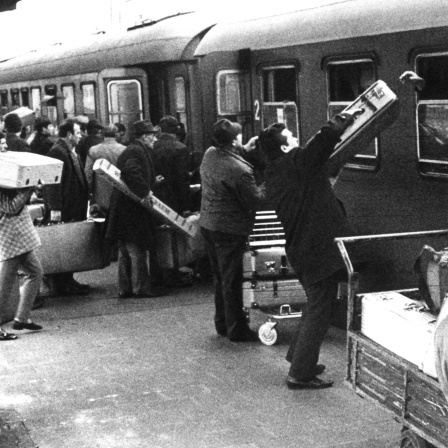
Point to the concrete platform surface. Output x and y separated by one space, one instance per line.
152 373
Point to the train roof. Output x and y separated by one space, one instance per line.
332 20
167 40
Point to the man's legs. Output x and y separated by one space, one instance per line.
124 270
139 257
305 346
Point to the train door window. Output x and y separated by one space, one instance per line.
35 100
15 98
346 81
280 99
125 101
88 99
25 92
181 101
432 115
233 98
4 98
49 103
68 93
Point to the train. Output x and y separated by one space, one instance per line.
299 67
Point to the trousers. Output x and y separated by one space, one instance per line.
225 252
304 348
133 258
29 265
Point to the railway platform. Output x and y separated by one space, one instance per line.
143 373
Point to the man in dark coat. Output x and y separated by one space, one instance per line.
130 223
67 201
230 197
13 126
42 141
298 185
94 137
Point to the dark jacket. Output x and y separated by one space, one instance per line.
128 220
85 144
297 184
170 158
41 144
15 143
72 194
230 195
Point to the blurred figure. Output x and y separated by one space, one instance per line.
94 137
42 141
120 133
13 127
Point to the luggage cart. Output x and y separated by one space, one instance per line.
414 398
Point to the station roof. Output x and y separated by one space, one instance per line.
327 21
166 40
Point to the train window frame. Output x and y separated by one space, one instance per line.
25 101
427 166
123 81
63 88
279 106
82 86
181 107
361 162
37 109
4 95
15 97
51 104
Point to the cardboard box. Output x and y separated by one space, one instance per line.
103 168
25 169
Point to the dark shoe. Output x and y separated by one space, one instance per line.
319 369
7 336
25 326
71 290
39 302
314 383
125 295
80 286
221 331
249 336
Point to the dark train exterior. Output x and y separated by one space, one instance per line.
297 67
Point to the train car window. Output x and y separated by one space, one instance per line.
181 101
15 98
88 100
35 100
68 93
4 98
125 101
280 99
49 103
25 96
432 115
346 80
233 98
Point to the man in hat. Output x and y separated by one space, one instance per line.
42 141
13 126
230 197
94 137
129 223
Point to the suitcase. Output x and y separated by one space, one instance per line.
175 249
101 191
401 325
27 115
112 174
270 262
380 109
272 293
25 169
73 247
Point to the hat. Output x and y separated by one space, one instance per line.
143 127
225 131
41 123
94 125
13 123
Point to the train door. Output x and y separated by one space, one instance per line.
279 96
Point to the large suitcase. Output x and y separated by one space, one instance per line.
112 174
380 109
269 262
73 247
25 169
401 325
271 293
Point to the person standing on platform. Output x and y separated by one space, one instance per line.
18 241
128 222
67 201
13 126
94 137
42 141
297 183
230 197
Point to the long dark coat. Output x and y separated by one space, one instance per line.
128 220
312 216
17 144
72 194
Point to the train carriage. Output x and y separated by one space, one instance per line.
302 67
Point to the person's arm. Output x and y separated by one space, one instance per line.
89 169
249 193
412 79
11 205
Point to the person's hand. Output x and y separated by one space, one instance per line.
251 144
147 201
343 120
159 179
55 216
413 79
